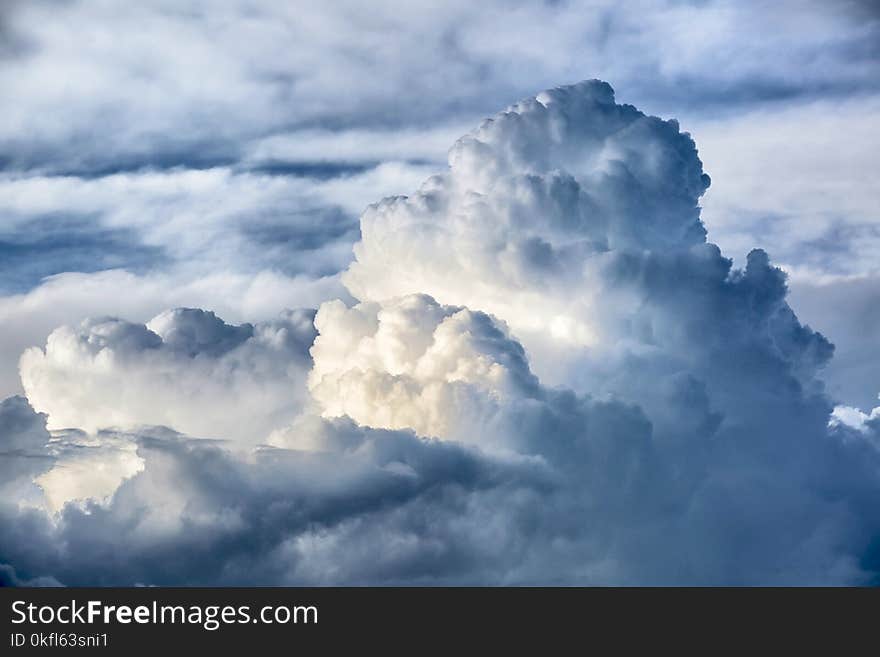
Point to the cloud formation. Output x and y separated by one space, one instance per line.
353 510
185 368
24 449
190 102
258 169
547 374
413 364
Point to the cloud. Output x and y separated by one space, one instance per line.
245 244
198 220
130 104
23 442
8 577
43 471
70 298
546 374
583 493
636 408
88 468
575 221
197 513
411 363
847 419
185 369
158 168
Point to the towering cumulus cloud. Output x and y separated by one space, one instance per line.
532 206
547 375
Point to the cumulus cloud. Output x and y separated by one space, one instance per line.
576 221
546 374
636 407
247 244
414 364
185 368
70 298
847 419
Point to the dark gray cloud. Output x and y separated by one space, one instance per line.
275 505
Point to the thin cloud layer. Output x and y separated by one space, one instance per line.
195 85
547 375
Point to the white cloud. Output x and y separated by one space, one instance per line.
245 244
413 364
184 369
154 84
543 220
354 146
68 299
216 155
867 424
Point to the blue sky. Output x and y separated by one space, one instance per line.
219 156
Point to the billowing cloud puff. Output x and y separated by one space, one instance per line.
185 369
368 506
847 419
414 364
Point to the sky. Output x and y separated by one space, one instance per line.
439 292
